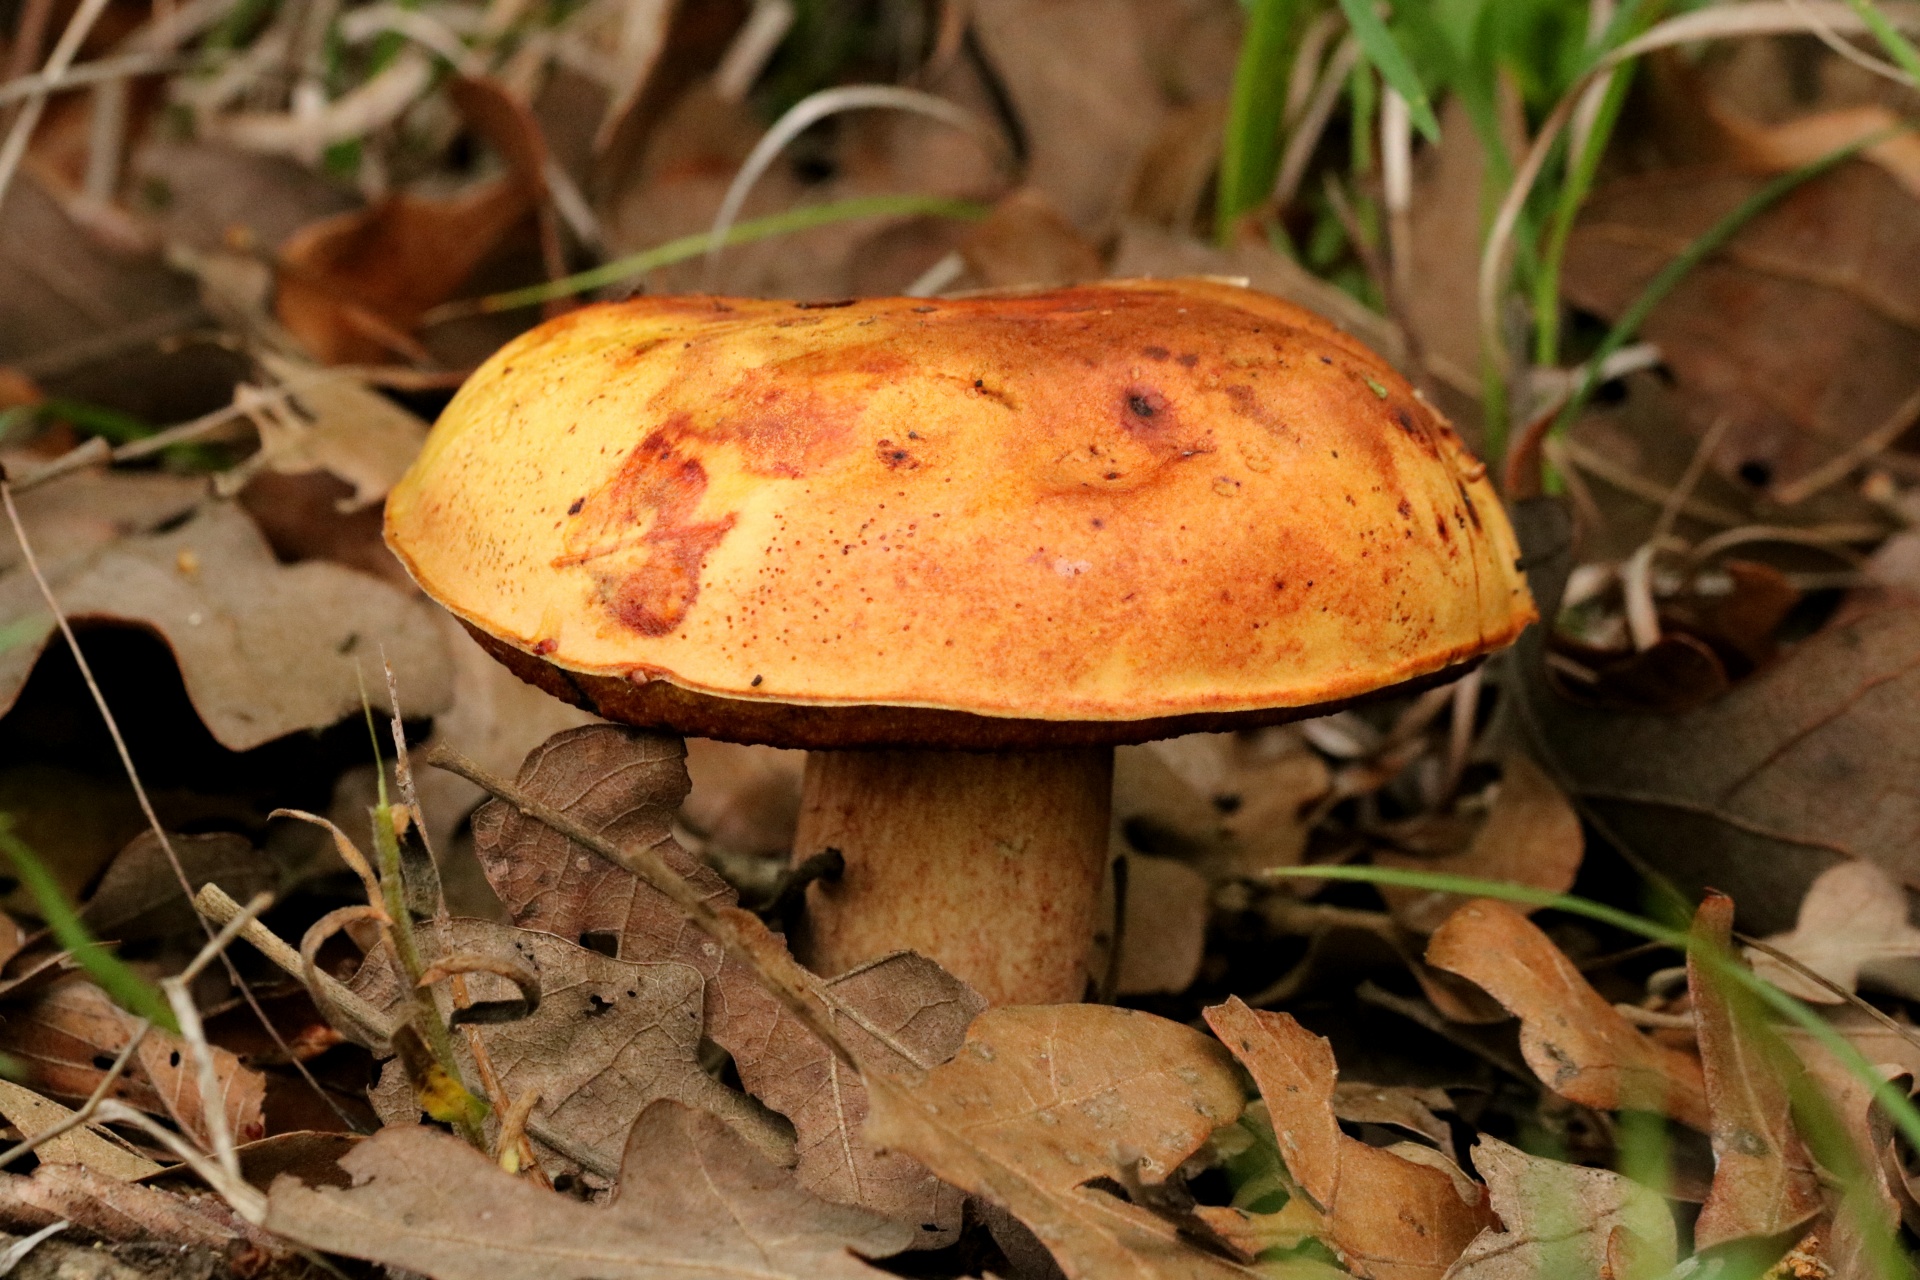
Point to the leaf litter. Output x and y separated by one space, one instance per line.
1725 700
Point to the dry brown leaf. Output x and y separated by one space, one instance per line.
627 785
71 1033
353 287
1402 1106
918 1005
338 425
694 1200
1386 1216
1043 1100
1764 1182
1235 804
139 896
265 649
608 1037
1575 1041
33 1115
1087 118
1852 929
1529 836
1805 329
1564 1221
1814 760
116 1210
1164 935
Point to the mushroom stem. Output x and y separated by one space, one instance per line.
989 863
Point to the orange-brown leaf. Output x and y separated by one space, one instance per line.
1576 1042
1763 1178
1388 1217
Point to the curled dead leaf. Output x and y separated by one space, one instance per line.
1575 1041
1387 1216
1764 1181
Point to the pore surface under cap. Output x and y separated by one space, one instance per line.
1110 504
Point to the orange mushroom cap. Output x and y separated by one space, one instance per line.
1098 514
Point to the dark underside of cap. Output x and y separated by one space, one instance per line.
661 704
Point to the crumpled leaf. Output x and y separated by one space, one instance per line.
72 1032
1802 329
627 785
1386 1216
265 649
694 1200
1764 1182
1565 1221
1530 835
1576 1042
1809 762
608 1037
33 1115
1852 930
352 287
1043 1100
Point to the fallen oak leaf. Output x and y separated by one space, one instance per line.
1043 1100
1764 1182
1565 1221
1803 765
69 1034
607 1038
262 647
626 785
1579 1045
1387 1217
116 1210
1852 928
694 1200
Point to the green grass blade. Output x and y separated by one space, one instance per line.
1898 1106
129 990
1704 246
692 246
1898 47
1385 53
1250 148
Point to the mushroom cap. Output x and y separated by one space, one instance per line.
1106 513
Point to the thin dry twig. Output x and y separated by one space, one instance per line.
15 147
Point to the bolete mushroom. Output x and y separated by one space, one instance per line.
958 549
